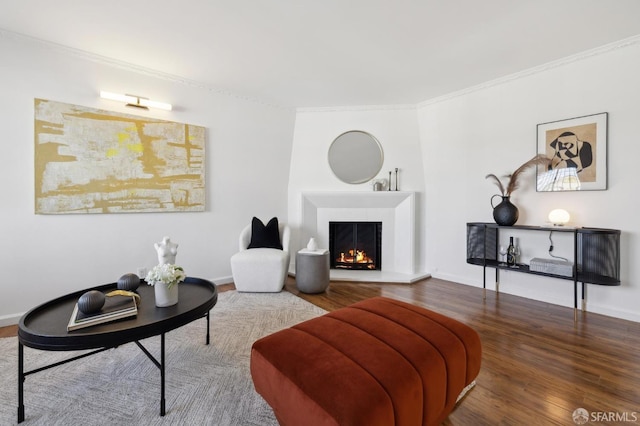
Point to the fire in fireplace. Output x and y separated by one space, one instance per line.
355 245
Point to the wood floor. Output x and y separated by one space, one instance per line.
538 366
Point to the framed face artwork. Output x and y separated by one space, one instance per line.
577 148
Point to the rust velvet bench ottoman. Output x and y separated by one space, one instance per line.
376 362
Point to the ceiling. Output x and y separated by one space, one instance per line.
315 53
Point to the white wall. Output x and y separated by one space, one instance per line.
493 130
396 129
248 154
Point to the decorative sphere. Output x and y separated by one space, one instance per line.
91 302
559 217
128 282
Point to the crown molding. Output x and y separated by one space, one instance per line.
399 107
127 66
620 44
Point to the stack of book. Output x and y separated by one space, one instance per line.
115 308
552 266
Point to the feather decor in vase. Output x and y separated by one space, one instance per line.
512 185
505 213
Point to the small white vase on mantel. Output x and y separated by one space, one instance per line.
165 296
312 244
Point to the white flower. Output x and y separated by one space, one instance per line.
167 274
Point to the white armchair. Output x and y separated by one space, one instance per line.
261 269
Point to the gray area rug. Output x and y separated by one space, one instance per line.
205 385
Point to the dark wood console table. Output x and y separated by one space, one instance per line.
45 327
596 255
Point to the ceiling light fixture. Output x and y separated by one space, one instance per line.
135 101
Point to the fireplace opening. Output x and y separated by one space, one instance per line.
355 245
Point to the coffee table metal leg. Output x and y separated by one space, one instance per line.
162 404
208 313
20 382
161 367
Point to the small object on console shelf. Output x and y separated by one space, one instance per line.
511 254
551 266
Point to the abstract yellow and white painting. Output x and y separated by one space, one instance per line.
94 161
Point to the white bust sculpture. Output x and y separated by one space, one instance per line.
167 251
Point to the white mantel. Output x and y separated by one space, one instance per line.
396 211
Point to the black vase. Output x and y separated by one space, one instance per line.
505 213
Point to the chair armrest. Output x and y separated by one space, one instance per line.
245 238
285 237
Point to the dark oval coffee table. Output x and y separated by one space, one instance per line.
45 327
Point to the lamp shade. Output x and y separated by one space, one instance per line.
559 217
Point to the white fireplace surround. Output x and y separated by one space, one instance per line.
396 211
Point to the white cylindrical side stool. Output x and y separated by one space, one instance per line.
312 270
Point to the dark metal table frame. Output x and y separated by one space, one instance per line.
197 297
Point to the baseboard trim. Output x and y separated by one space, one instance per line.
223 280
7 320
591 306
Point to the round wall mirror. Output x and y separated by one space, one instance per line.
355 157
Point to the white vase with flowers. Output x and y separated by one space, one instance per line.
165 279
